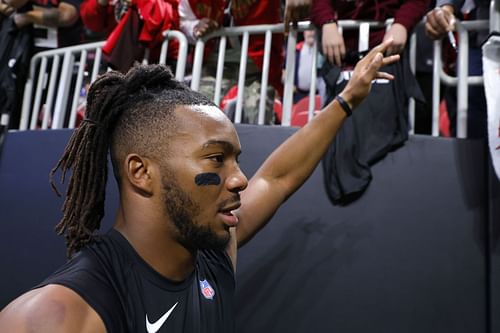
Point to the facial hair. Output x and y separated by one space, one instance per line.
182 212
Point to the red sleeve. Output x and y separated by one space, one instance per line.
322 12
411 12
96 17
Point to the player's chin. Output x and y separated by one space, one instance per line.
220 241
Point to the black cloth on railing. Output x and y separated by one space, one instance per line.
377 126
16 49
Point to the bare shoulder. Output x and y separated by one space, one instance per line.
54 309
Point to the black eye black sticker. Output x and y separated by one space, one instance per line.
207 178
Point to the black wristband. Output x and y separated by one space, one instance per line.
345 106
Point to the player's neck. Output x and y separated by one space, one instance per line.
156 246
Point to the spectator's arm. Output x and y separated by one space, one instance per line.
410 13
5 9
94 14
188 20
453 5
332 43
296 10
406 17
15 3
322 12
63 16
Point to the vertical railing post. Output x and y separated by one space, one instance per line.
241 77
463 73
265 78
286 118
413 67
62 91
436 81
197 64
220 69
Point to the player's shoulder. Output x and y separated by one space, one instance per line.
53 308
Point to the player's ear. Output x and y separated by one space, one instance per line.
140 172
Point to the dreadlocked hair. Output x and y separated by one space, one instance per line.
124 113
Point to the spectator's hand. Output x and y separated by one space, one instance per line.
204 26
333 44
295 10
439 21
366 70
397 32
103 3
5 9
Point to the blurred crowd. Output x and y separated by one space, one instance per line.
133 28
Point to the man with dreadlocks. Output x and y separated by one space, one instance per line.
168 263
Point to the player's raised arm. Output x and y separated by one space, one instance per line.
288 167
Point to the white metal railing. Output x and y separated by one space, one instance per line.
462 81
363 30
223 34
58 91
495 16
267 30
52 91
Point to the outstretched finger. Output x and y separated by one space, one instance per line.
380 48
378 61
337 55
384 75
390 59
374 65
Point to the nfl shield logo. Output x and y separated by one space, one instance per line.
207 290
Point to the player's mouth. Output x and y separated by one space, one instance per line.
227 215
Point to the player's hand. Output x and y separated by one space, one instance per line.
332 43
295 10
439 21
366 70
204 26
397 32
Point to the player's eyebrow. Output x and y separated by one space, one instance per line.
227 146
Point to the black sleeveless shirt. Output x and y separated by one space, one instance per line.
130 296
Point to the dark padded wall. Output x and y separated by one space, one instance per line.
494 244
409 256
29 210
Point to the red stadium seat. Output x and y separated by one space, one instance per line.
300 111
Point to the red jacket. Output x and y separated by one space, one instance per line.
98 18
406 13
251 12
156 16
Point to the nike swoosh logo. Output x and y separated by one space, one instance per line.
155 327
